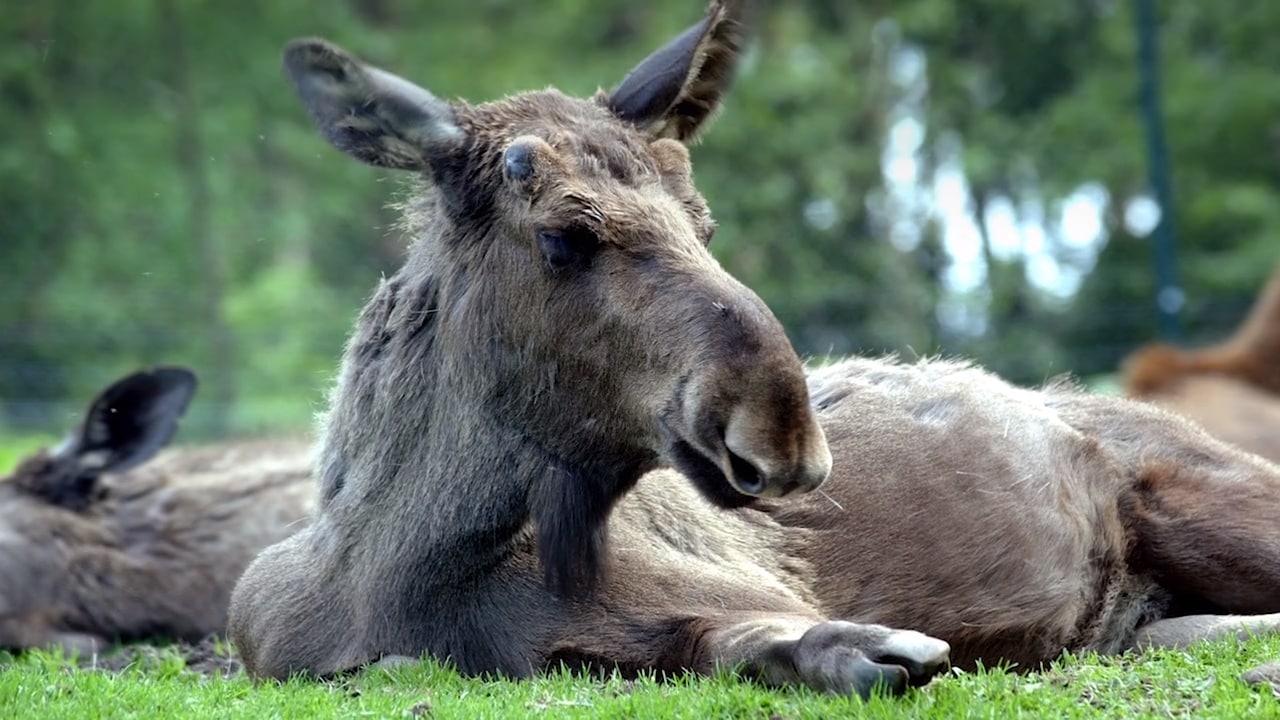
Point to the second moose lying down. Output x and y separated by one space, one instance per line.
1232 389
492 476
100 541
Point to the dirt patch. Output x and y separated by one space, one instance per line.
208 657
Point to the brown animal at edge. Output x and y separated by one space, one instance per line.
1232 389
101 539
562 432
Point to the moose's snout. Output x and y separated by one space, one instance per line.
755 445
739 423
773 462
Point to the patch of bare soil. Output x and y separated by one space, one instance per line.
210 657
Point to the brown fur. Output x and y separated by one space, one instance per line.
1232 389
89 555
508 392
1017 523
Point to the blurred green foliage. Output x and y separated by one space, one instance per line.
164 199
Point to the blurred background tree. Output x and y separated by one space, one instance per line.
921 176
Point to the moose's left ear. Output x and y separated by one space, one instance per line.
366 112
674 91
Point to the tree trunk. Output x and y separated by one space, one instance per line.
218 378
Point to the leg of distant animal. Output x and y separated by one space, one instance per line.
833 656
1180 632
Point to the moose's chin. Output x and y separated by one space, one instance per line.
707 477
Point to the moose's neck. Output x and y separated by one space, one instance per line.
424 478
406 460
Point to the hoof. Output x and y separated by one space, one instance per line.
847 658
1266 674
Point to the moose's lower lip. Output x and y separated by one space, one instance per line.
705 475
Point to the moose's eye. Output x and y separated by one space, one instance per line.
563 248
517 162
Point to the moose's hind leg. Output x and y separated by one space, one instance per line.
1209 532
1179 632
1203 516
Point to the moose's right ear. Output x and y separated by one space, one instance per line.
368 113
130 421
675 91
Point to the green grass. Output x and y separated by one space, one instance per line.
1201 683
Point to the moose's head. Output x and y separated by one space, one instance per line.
564 249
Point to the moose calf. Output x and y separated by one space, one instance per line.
563 433
101 539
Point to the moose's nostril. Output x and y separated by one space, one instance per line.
746 476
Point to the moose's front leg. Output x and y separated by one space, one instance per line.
833 656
